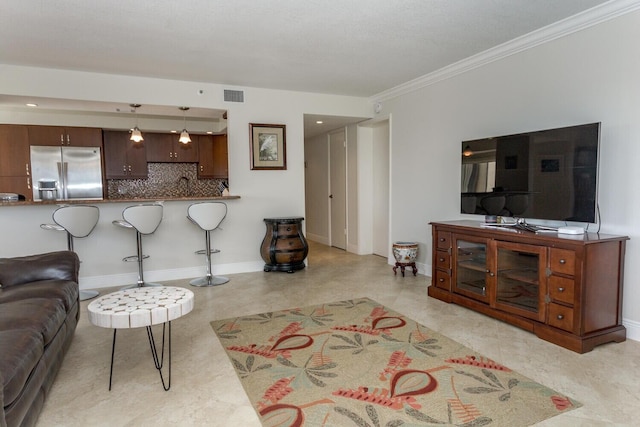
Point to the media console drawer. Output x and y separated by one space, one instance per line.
442 280
562 261
566 290
561 289
561 317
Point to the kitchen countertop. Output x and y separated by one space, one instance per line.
133 200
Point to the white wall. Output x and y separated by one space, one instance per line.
364 165
381 192
352 189
588 76
263 193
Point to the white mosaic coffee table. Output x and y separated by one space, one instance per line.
142 307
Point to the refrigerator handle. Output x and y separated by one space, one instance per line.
65 180
62 179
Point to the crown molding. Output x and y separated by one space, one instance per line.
596 15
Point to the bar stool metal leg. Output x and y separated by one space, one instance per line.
143 219
84 294
209 279
139 257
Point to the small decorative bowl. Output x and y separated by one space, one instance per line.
405 252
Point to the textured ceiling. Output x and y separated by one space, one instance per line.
355 47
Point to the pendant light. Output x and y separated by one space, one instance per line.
184 135
136 135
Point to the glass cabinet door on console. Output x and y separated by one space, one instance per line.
507 276
520 280
471 267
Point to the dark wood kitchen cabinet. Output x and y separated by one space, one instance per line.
565 289
15 173
212 156
20 185
165 147
123 158
65 136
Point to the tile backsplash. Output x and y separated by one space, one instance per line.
166 180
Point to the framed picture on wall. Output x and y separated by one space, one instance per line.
268 146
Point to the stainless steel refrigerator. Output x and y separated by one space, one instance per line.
64 173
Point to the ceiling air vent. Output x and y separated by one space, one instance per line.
233 95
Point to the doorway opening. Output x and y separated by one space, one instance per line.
339 189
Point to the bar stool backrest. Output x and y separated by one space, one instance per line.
207 215
144 218
77 220
516 204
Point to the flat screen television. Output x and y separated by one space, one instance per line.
546 175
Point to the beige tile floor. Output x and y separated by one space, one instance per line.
206 392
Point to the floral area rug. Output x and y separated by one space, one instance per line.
358 363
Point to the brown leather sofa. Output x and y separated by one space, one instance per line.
39 310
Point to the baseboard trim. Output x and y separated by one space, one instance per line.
318 239
354 249
118 280
633 329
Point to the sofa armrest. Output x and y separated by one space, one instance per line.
62 265
3 422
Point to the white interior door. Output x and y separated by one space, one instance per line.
380 238
338 189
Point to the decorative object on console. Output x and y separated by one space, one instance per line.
268 146
570 230
405 254
341 363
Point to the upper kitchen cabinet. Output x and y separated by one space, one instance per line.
165 147
14 150
65 136
15 174
123 158
20 185
212 156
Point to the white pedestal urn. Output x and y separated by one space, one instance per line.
405 254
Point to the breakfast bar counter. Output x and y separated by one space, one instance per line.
101 201
171 248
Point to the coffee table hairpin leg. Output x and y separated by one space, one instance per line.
157 361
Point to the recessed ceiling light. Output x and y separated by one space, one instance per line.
31 104
319 122
209 132
174 131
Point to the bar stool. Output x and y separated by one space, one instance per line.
78 221
208 216
144 219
